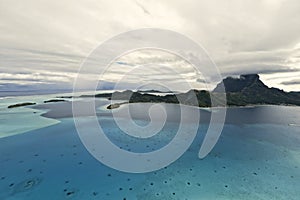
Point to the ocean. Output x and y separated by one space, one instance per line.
42 156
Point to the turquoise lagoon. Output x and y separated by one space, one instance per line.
257 157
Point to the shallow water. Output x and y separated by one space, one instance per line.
257 157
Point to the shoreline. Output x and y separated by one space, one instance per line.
113 106
63 110
118 105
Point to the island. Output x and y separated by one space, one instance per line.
246 90
250 90
155 91
115 105
54 100
21 104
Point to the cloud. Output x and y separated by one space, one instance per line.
259 68
45 42
291 82
142 7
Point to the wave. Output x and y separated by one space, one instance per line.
291 124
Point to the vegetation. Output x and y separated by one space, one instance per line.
246 90
249 89
21 105
54 100
115 105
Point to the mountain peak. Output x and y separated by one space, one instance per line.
238 84
249 76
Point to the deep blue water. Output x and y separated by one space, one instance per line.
257 157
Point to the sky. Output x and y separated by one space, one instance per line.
43 43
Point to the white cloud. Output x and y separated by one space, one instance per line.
240 36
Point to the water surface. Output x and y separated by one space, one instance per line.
257 157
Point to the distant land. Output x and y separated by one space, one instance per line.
25 92
243 91
155 91
54 100
21 104
246 90
249 89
